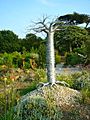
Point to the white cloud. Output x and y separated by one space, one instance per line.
47 3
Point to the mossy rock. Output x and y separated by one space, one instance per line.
51 103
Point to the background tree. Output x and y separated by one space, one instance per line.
75 19
31 41
42 55
88 29
69 38
9 41
88 49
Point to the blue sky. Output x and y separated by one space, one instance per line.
16 15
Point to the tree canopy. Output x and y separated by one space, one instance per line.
9 41
75 18
31 41
69 38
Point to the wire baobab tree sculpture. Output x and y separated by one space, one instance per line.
49 28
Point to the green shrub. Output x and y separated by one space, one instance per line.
85 94
81 80
27 65
77 80
7 59
81 50
26 57
34 50
87 44
1 59
42 56
39 108
31 87
73 59
67 78
34 56
57 59
40 75
17 59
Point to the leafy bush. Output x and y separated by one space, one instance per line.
40 75
44 110
1 59
67 78
7 59
17 59
81 80
83 84
81 50
31 87
73 59
42 56
27 65
57 59
87 44
77 80
40 108
85 94
34 56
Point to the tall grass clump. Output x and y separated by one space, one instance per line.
8 99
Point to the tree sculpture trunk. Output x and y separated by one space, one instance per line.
50 58
49 28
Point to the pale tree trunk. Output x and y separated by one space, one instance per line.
70 48
50 58
49 28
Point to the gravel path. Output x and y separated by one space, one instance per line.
60 69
